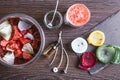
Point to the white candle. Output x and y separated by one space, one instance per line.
79 45
9 58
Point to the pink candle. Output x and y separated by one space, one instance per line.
77 15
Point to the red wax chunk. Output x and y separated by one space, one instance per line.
25 40
4 42
16 34
87 60
27 56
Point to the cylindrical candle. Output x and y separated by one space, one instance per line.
77 15
79 45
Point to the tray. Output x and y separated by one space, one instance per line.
111 28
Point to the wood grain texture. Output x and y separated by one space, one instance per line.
39 70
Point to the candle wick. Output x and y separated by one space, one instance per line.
50 24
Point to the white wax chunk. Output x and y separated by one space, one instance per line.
79 45
22 25
28 35
5 30
28 48
9 58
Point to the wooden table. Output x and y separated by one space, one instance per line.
39 70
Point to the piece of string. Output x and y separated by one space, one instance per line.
67 64
56 51
61 59
63 51
50 24
67 57
59 39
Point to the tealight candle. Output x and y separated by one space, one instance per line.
79 45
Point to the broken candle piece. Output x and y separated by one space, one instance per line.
9 58
22 25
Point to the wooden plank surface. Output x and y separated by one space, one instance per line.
39 70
